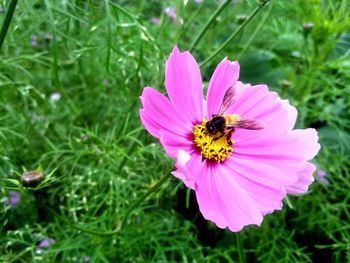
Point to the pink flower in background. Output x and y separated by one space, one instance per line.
170 11
239 173
155 20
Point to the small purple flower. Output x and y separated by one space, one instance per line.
170 11
34 42
2 10
56 96
13 199
47 242
321 176
86 258
155 20
198 1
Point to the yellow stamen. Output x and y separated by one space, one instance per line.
212 146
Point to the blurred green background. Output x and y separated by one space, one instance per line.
71 73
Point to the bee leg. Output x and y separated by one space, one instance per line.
217 138
229 134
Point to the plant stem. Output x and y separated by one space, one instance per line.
142 198
7 21
240 249
208 24
235 33
75 226
256 31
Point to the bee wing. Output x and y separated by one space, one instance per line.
248 124
228 100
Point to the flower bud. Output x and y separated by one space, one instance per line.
286 83
308 26
241 18
32 178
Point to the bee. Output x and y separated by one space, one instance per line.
225 124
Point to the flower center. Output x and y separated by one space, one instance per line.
214 147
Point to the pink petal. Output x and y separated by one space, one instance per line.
225 75
308 139
207 197
287 153
260 172
305 178
292 112
296 144
281 153
172 143
223 201
184 85
158 114
184 163
268 146
263 183
195 169
257 102
309 148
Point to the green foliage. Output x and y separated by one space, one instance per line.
97 158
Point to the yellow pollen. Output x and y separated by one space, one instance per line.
212 146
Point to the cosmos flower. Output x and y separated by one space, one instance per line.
238 176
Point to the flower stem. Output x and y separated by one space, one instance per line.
7 21
82 229
240 249
208 24
142 198
256 31
236 32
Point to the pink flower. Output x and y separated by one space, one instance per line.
170 11
239 178
155 20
